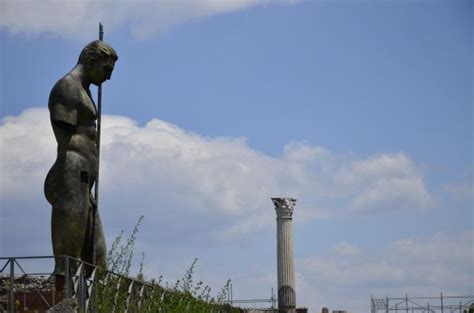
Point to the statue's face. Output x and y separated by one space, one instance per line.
101 70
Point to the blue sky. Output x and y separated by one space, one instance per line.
363 110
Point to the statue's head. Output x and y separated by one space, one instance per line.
98 58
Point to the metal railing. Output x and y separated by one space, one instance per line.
442 304
264 304
21 290
16 281
268 304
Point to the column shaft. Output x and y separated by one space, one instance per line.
285 263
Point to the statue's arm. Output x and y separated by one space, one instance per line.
62 106
64 117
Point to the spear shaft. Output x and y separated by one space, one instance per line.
96 185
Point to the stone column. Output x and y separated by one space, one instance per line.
285 264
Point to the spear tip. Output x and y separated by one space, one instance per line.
101 31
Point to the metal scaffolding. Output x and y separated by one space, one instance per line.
263 304
442 304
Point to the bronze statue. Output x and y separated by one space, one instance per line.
69 182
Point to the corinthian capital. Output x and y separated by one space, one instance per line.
284 207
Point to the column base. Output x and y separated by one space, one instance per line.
286 299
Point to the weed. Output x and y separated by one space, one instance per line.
117 292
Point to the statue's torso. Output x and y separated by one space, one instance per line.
76 166
83 139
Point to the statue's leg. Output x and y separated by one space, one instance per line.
70 209
68 227
97 243
100 247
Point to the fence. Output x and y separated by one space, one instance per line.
263 304
442 304
269 305
24 290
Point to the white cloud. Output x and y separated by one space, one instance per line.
388 181
79 18
392 165
194 189
393 193
417 266
164 172
27 148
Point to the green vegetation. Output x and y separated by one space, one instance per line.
117 292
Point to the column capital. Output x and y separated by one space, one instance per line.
284 207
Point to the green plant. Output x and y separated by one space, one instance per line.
117 292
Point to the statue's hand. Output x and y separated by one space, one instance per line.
92 202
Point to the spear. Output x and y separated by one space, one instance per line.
96 186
